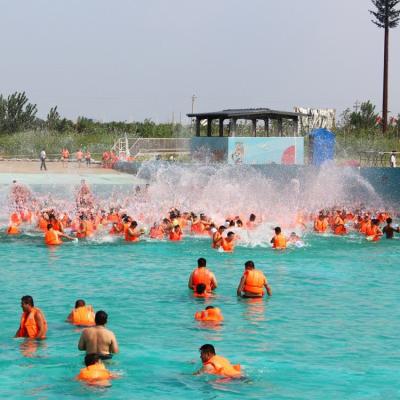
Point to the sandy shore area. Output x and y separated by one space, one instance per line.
56 167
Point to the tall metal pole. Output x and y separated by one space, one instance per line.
191 124
385 71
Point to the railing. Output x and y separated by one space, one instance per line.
371 158
132 147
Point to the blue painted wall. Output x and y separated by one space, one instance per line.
249 150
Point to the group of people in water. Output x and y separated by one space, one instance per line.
99 343
89 220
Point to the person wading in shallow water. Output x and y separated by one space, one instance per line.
98 339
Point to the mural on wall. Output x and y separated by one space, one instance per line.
266 150
249 150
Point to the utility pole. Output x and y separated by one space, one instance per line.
191 124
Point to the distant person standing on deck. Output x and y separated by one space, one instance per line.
43 160
79 157
393 159
88 158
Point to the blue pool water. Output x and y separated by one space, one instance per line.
330 330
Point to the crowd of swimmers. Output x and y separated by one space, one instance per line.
100 343
88 220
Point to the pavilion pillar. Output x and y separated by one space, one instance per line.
232 127
198 126
209 127
280 126
221 127
296 126
254 127
266 126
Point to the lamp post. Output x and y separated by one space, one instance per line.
191 124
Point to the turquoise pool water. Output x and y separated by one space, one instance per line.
329 331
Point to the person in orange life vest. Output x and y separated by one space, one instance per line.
200 291
57 225
210 314
33 323
176 233
97 339
373 233
197 227
388 230
228 243
216 365
15 218
52 237
95 372
278 241
217 237
202 275
253 282
156 232
79 157
82 314
116 228
132 234
64 156
320 223
88 158
82 231
365 224
338 224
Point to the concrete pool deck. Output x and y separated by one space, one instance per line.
28 172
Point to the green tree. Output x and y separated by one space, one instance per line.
386 16
364 118
16 113
53 119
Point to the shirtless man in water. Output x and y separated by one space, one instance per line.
98 339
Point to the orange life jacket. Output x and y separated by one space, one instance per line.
130 238
56 225
202 275
12 230
175 236
279 242
28 326
254 282
15 218
26 216
372 233
113 218
51 238
198 227
364 226
320 226
89 228
212 314
43 223
228 246
95 372
223 367
82 316
156 233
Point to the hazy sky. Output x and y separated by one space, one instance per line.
131 59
